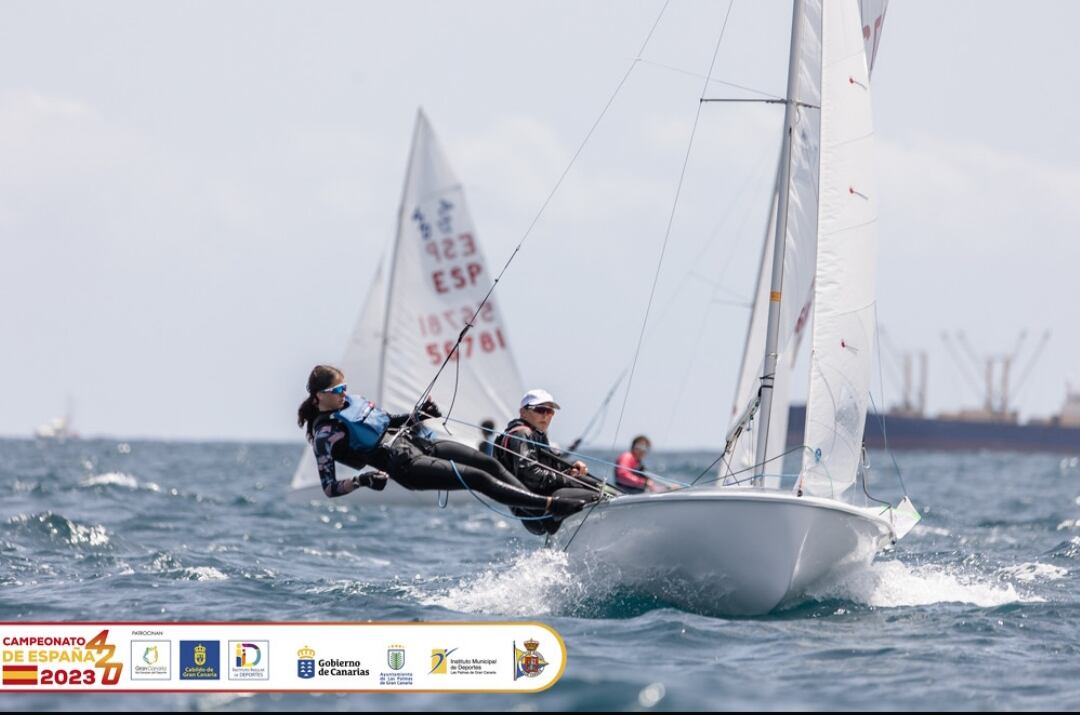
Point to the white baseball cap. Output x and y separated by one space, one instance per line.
538 397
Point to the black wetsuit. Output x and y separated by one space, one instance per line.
526 452
416 463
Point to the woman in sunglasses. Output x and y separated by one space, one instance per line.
351 430
523 448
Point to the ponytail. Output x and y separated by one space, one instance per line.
305 416
321 377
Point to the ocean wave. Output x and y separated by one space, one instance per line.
59 528
168 565
1027 572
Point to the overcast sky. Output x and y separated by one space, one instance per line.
193 196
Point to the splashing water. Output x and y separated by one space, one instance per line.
534 583
892 584
118 479
1028 572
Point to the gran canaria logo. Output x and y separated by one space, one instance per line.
305 662
528 663
151 660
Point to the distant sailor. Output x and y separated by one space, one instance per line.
524 449
630 470
487 446
354 431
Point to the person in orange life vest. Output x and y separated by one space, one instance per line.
629 469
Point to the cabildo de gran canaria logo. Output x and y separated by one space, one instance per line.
305 662
200 660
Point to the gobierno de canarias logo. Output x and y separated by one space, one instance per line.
34 660
305 662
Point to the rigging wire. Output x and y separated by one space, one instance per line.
588 135
667 232
880 413
660 262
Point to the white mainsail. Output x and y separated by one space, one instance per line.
437 278
872 16
843 333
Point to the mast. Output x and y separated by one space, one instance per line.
380 397
773 330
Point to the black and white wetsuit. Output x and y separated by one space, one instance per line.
417 463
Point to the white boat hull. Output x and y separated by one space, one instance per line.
730 551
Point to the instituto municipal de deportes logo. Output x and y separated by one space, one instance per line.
151 660
249 660
305 662
200 660
395 657
440 658
528 663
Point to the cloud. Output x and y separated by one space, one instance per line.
974 190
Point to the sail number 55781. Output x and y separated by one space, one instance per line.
486 341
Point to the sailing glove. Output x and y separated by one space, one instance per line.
371 480
430 409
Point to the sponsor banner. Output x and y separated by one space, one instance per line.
280 657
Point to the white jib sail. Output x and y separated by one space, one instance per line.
799 258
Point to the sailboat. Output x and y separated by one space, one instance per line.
416 306
59 428
749 542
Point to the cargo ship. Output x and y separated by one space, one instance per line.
967 430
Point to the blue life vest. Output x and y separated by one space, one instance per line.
365 423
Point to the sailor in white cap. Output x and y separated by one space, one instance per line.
525 451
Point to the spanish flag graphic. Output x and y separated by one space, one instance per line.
20 675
